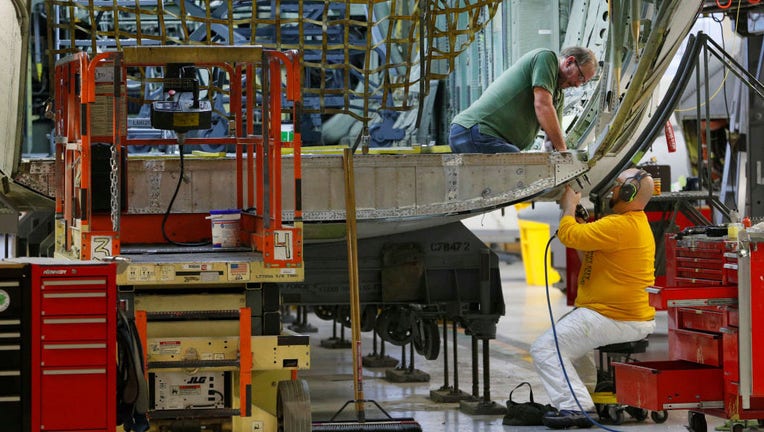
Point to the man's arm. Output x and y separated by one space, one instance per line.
569 200
547 117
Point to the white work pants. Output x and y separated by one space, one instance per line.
578 333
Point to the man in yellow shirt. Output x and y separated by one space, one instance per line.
617 264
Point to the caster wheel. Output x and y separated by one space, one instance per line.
602 412
659 416
737 428
697 422
637 414
616 414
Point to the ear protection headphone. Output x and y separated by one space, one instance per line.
630 186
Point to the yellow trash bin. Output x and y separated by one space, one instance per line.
533 239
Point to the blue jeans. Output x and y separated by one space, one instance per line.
463 140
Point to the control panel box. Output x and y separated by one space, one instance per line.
182 391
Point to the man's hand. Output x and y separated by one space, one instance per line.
569 200
581 214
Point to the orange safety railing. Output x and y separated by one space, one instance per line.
89 91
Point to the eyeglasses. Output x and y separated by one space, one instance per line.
581 77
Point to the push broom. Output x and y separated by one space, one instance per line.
361 423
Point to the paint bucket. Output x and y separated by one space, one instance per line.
225 227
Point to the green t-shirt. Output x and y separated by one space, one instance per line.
505 110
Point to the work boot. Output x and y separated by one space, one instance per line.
564 419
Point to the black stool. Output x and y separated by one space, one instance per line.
618 352
604 394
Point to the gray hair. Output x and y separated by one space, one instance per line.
582 55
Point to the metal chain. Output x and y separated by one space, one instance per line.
114 189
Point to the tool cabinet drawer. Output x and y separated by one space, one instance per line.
696 281
11 411
702 253
698 263
730 273
74 303
695 346
73 284
700 319
73 399
10 383
660 385
701 273
74 328
662 298
733 317
74 354
10 357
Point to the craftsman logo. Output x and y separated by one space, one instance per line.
5 300
54 272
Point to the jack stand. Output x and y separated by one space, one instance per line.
378 359
406 374
448 394
483 405
335 342
301 324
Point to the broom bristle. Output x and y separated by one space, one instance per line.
399 425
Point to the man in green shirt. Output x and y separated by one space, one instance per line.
612 305
527 96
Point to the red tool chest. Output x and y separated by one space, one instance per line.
706 306
654 385
700 261
15 309
72 346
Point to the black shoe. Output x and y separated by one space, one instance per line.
564 419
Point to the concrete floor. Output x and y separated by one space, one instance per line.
331 381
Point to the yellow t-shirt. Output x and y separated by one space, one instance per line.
618 264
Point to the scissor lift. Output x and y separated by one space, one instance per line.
214 349
91 101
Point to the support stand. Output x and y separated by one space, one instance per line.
301 324
483 405
286 314
380 359
406 374
448 394
335 342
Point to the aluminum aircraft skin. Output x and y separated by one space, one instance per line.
604 120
